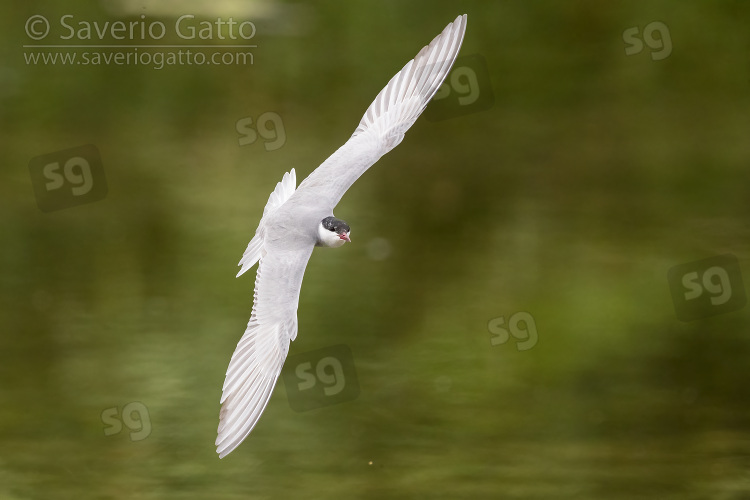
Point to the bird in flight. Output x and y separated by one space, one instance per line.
297 220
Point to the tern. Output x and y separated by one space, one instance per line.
297 220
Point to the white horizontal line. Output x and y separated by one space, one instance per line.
137 46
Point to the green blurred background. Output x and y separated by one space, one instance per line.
592 175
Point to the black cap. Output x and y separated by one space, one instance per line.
334 224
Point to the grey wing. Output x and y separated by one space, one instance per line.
385 122
256 363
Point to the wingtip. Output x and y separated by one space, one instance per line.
412 88
244 268
460 24
222 453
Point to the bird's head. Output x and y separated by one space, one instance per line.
333 232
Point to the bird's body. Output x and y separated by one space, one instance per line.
297 220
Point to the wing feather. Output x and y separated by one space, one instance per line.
385 122
257 361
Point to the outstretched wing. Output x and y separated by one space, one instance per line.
260 353
385 122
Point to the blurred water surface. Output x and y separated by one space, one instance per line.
591 175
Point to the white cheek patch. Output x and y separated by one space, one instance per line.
329 238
